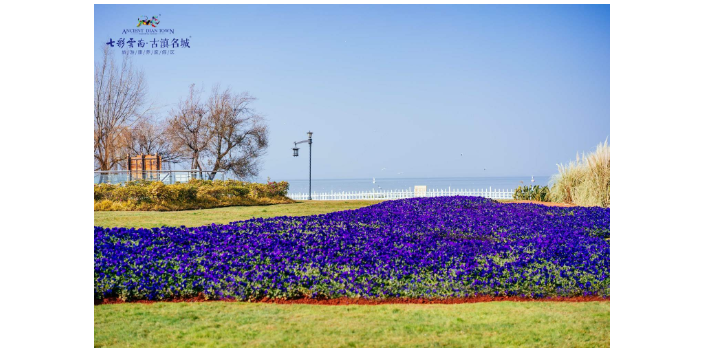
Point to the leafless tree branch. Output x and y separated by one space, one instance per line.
119 101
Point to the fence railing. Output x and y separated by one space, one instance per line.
165 176
405 193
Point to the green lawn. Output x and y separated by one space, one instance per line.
149 219
223 324
211 324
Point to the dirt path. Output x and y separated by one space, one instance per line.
550 204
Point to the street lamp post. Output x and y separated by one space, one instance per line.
310 161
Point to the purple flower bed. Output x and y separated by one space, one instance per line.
420 247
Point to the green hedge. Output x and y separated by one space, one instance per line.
195 194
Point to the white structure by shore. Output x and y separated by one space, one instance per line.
419 191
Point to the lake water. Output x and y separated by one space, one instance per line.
350 185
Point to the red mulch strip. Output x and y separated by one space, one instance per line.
366 301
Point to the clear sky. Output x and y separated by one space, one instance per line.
426 91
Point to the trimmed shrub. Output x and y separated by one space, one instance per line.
195 194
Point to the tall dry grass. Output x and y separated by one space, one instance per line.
585 181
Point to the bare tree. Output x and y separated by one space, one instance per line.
188 128
149 136
118 102
239 136
224 134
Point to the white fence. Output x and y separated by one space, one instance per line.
407 193
165 176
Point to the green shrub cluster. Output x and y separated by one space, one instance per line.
532 193
194 194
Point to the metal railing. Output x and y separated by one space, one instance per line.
165 176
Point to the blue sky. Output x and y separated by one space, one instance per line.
515 89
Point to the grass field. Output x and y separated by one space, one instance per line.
149 219
222 324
